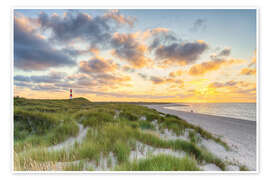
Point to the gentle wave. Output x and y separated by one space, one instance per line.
246 111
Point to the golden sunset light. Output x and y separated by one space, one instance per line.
114 56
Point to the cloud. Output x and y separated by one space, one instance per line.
128 69
59 81
225 52
231 83
46 87
198 25
53 81
101 81
73 26
115 15
22 78
253 61
248 71
159 36
31 52
96 30
144 76
155 32
126 47
176 73
162 39
108 79
181 53
201 69
97 65
123 94
52 77
99 74
238 87
222 54
159 80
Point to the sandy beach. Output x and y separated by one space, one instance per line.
239 134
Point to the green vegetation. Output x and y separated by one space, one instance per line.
112 128
74 167
194 138
243 168
34 128
160 163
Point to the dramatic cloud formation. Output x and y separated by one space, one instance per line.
200 69
130 54
129 49
97 65
96 30
161 37
181 53
32 52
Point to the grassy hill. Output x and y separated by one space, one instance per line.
115 132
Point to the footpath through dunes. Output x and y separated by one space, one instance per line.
239 134
71 141
84 136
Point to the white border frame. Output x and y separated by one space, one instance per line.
258 90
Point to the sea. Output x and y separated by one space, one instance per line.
245 111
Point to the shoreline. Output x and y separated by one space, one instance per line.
224 117
238 133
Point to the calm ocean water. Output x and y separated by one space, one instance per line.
246 111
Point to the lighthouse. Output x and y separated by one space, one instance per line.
70 94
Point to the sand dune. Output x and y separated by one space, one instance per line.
239 134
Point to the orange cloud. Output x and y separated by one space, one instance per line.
151 32
200 69
97 65
248 71
176 73
253 60
95 51
115 14
27 24
128 48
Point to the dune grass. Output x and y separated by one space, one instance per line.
113 128
74 167
160 163
33 128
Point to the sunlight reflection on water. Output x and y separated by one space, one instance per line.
245 111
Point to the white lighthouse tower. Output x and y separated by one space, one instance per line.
70 95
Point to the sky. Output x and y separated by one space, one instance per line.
153 55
